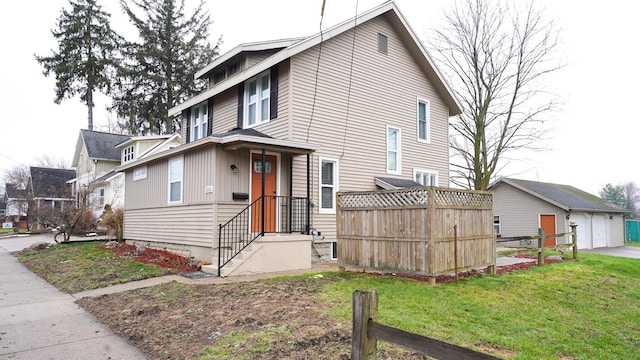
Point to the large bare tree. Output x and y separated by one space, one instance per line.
497 58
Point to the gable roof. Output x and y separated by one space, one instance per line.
565 197
392 14
50 182
100 145
12 192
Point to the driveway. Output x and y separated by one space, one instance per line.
622 251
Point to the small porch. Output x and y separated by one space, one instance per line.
271 233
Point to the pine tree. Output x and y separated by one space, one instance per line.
158 71
85 56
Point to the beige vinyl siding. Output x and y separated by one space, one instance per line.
279 127
149 192
520 212
198 173
225 111
185 224
228 210
256 57
229 182
384 91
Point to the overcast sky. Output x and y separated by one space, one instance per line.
593 141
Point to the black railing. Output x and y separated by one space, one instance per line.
276 214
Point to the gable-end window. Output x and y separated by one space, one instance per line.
328 185
393 151
424 121
175 180
199 118
128 153
425 177
257 95
383 43
101 197
496 225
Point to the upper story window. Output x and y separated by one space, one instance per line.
175 180
199 120
328 185
424 121
383 42
101 197
393 151
257 96
128 153
425 177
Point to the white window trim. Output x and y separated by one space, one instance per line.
198 128
181 159
258 80
427 129
336 177
426 171
140 173
128 153
499 224
101 198
398 170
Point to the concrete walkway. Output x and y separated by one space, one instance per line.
39 322
622 251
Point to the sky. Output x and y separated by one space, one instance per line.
593 134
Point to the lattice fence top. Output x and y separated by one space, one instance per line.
414 197
452 197
383 198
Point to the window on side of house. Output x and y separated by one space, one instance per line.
101 197
425 177
199 119
334 250
328 185
496 225
394 165
424 121
257 94
175 180
383 44
128 153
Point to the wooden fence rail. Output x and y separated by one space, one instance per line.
366 332
541 237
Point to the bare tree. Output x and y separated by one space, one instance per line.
497 58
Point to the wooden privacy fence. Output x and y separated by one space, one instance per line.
428 231
366 332
541 237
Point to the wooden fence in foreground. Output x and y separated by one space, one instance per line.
367 331
541 237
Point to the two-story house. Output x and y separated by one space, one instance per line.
282 127
98 153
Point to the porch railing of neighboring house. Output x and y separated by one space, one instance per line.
267 214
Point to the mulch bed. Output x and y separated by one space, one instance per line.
162 258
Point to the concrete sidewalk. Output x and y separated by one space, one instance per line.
39 322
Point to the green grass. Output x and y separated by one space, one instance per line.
82 266
633 243
577 310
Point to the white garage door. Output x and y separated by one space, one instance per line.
581 221
600 231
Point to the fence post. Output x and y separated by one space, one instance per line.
540 246
574 238
365 308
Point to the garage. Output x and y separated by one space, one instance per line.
582 230
600 231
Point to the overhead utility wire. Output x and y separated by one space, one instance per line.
353 48
315 85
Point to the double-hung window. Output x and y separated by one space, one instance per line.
128 153
393 151
199 120
424 122
425 177
175 180
328 185
496 225
101 197
257 97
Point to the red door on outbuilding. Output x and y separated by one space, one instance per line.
548 224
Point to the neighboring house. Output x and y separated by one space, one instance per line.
523 206
356 108
98 153
16 205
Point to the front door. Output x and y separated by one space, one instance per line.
548 224
270 191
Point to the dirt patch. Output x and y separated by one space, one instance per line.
162 258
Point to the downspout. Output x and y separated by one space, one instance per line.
308 195
290 212
262 185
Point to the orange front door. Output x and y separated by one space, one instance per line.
269 172
548 224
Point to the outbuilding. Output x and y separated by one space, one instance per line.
523 206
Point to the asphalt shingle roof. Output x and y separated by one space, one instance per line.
50 182
101 145
571 197
399 183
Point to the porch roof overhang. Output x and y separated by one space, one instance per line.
230 141
393 183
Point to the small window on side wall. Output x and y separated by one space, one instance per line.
328 185
496 225
393 151
383 43
334 250
175 180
